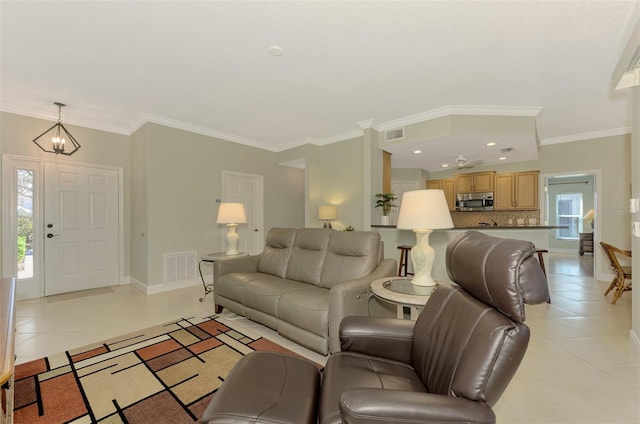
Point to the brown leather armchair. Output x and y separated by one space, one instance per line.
450 366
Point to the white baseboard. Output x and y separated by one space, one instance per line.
165 287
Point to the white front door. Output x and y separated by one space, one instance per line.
248 190
81 220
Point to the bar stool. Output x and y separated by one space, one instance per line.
541 260
404 261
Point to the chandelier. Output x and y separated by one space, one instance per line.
61 141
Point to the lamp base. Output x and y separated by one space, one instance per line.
327 224
423 257
232 240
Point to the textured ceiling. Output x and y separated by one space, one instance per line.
204 66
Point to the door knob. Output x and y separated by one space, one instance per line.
255 229
52 235
49 225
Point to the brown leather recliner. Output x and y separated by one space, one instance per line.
450 366
458 358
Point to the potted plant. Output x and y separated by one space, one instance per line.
385 201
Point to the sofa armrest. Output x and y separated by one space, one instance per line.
352 298
239 264
387 338
368 406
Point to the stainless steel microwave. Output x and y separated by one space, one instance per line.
466 202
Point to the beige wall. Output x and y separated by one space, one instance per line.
335 176
171 180
139 206
184 177
613 221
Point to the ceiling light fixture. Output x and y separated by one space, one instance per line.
444 165
502 158
58 141
417 152
275 50
491 144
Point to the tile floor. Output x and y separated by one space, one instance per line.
579 367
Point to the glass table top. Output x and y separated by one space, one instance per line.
405 286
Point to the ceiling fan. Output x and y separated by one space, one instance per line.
462 162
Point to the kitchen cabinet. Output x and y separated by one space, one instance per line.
476 182
449 187
516 191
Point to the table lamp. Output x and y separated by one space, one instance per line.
231 214
327 213
589 217
423 211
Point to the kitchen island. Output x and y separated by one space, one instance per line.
392 238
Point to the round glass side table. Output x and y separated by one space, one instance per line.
402 292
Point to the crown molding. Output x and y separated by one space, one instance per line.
587 136
70 120
181 125
525 111
532 111
369 123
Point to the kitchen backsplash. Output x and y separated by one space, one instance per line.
503 218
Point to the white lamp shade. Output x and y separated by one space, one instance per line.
424 209
327 212
588 216
231 213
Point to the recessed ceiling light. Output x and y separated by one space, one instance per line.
275 50
502 158
444 165
417 151
491 143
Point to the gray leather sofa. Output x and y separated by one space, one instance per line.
305 282
450 366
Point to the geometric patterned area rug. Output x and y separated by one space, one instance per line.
163 374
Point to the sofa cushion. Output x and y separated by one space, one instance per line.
350 255
277 251
264 294
306 308
308 255
233 285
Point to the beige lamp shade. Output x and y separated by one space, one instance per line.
424 209
327 212
231 213
588 216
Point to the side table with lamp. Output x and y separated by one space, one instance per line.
232 214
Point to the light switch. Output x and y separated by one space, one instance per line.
635 229
634 205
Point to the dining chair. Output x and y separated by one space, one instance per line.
622 272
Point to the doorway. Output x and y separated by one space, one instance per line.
247 189
62 227
568 201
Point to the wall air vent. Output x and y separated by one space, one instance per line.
179 267
395 134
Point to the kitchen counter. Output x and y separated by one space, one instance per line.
392 237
